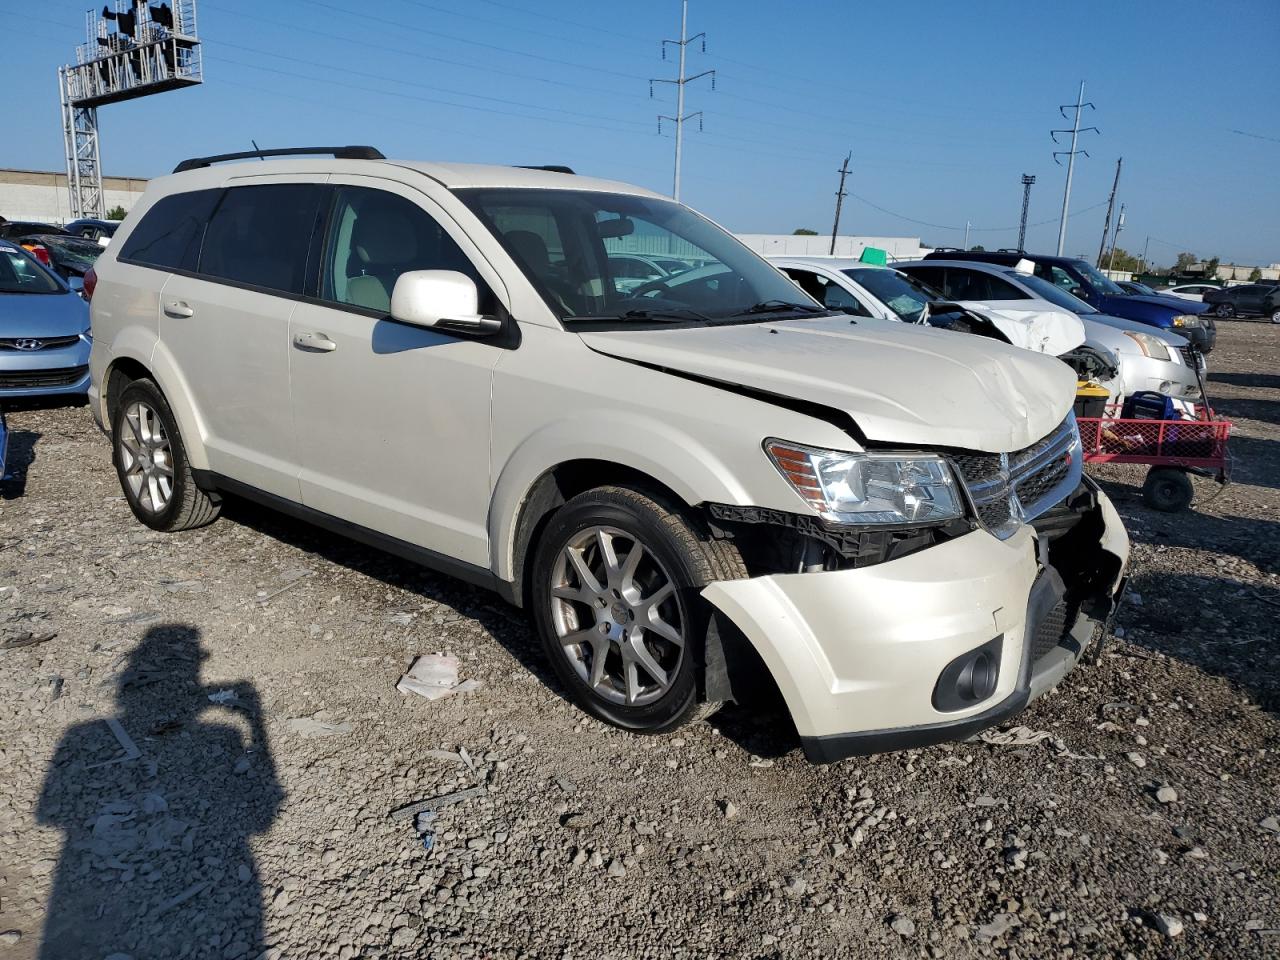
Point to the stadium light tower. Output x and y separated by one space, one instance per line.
152 48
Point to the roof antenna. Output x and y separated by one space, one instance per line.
258 149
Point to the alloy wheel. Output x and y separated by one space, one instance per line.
1224 310
615 612
146 457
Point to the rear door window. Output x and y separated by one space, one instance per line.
170 232
259 236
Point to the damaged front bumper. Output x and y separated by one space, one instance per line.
941 643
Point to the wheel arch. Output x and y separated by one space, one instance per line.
126 367
553 487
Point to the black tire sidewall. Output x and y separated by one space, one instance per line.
147 391
1168 490
681 699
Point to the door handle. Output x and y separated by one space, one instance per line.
314 342
178 309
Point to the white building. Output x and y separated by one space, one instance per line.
790 245
43 196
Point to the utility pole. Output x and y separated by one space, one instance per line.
1119 226
680 117
967 225
1144 254
1027 181
1075 132
1111 202
840 195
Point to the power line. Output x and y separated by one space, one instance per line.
1256 136
840 195
1075 132
680 82
947 226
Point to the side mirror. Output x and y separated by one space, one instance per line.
441 300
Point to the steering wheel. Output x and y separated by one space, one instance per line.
653 286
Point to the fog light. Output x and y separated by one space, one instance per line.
970 678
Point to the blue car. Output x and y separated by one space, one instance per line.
44 330
1078 277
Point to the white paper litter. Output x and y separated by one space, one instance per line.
434 676
1024 737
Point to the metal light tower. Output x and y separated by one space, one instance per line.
153 48
1027 181
680 81
1075 132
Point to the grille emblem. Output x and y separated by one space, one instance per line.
28 343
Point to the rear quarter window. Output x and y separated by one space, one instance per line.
169 234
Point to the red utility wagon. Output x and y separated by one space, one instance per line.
1173 448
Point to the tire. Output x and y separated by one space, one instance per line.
1275 316
152 465
1224 311
1167 489
606 670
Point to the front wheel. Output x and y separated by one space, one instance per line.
1224 311
152 463
1275 316
1167 489
615 596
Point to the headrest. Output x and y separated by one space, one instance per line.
385 237
529 247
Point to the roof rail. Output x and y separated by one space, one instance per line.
549 167
338 153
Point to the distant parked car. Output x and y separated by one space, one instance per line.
17 229
99 231
44 330
69 257
1148 359
1189 291
869 290
631 270
1134 288
1247 300
1082 279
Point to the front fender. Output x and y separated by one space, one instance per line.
659 450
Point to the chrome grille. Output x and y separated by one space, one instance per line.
1007 489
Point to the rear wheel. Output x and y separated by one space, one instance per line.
1275 316
615 595
1167 489
1224 311
152 462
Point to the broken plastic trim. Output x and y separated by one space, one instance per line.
852 546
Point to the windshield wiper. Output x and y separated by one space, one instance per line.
779 306
672 315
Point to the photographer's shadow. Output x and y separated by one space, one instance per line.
156 859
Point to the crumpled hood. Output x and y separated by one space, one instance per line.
1042 329
901 384
42 315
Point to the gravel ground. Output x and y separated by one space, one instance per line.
252 665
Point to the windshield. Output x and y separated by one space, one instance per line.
21 274
1099 279
1045 290
72 251
580 249
906 296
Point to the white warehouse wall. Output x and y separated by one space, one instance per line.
41 195
789 245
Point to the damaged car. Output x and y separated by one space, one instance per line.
689 485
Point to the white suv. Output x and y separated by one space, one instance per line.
683 482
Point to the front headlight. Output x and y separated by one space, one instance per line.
1188 320
868 488
1151 346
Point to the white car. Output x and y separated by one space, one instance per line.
1148 358
679 486
876 291
1190 291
